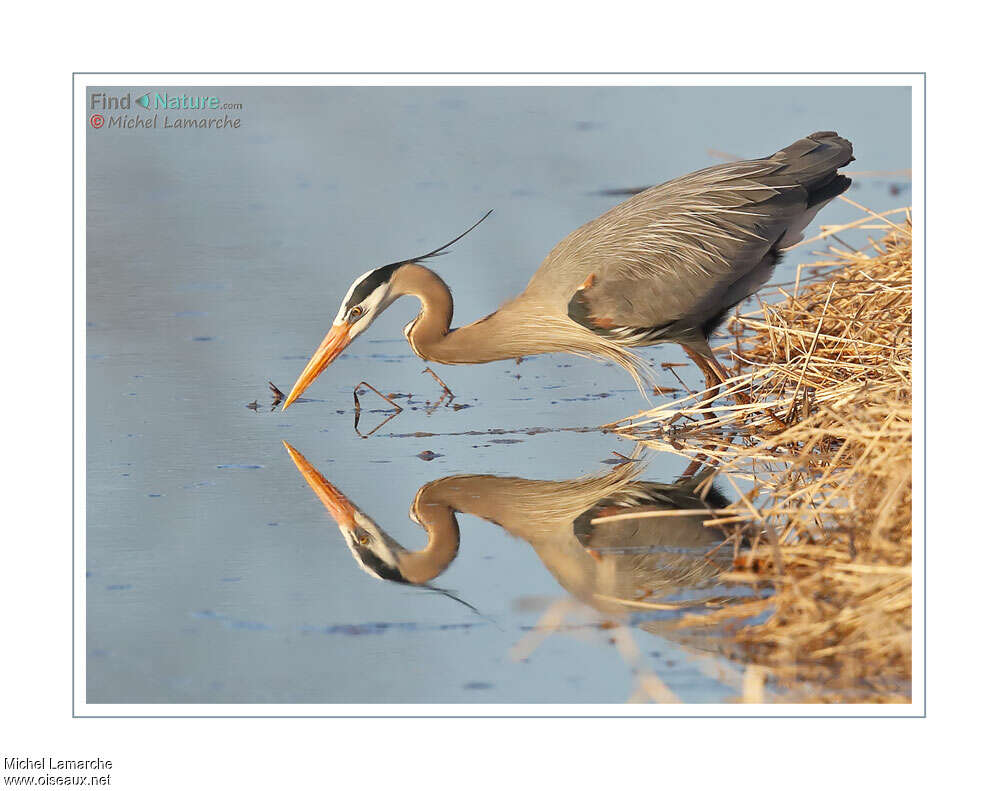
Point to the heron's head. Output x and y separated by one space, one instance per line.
367 297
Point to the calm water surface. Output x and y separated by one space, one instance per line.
216 259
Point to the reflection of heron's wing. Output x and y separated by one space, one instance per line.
640 558
657 531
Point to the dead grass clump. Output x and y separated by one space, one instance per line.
822 459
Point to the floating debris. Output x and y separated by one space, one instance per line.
232 623
530 431
620 192
429 455
382 627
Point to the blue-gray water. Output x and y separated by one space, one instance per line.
215 261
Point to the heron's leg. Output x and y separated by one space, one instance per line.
695 464
722 373
712 381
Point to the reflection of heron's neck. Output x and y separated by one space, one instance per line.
442 542
540 512
435 505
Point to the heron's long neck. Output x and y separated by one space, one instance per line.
528 324
431 336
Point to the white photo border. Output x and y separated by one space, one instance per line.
915 80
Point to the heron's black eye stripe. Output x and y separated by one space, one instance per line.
371 561
376 278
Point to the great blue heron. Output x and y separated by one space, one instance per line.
615 566
667 264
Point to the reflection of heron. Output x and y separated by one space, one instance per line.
664 265
615 566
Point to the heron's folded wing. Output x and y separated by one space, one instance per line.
668 252
672 252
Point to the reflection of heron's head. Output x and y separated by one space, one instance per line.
376 552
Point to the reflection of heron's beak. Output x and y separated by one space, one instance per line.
339 506
336 341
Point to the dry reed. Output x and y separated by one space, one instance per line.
821 459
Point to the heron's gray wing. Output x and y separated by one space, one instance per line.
672 253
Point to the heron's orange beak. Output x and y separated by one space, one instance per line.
340 507
336 341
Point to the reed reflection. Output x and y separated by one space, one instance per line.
615 543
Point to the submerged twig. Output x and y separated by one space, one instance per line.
357 408
278 395
446 396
